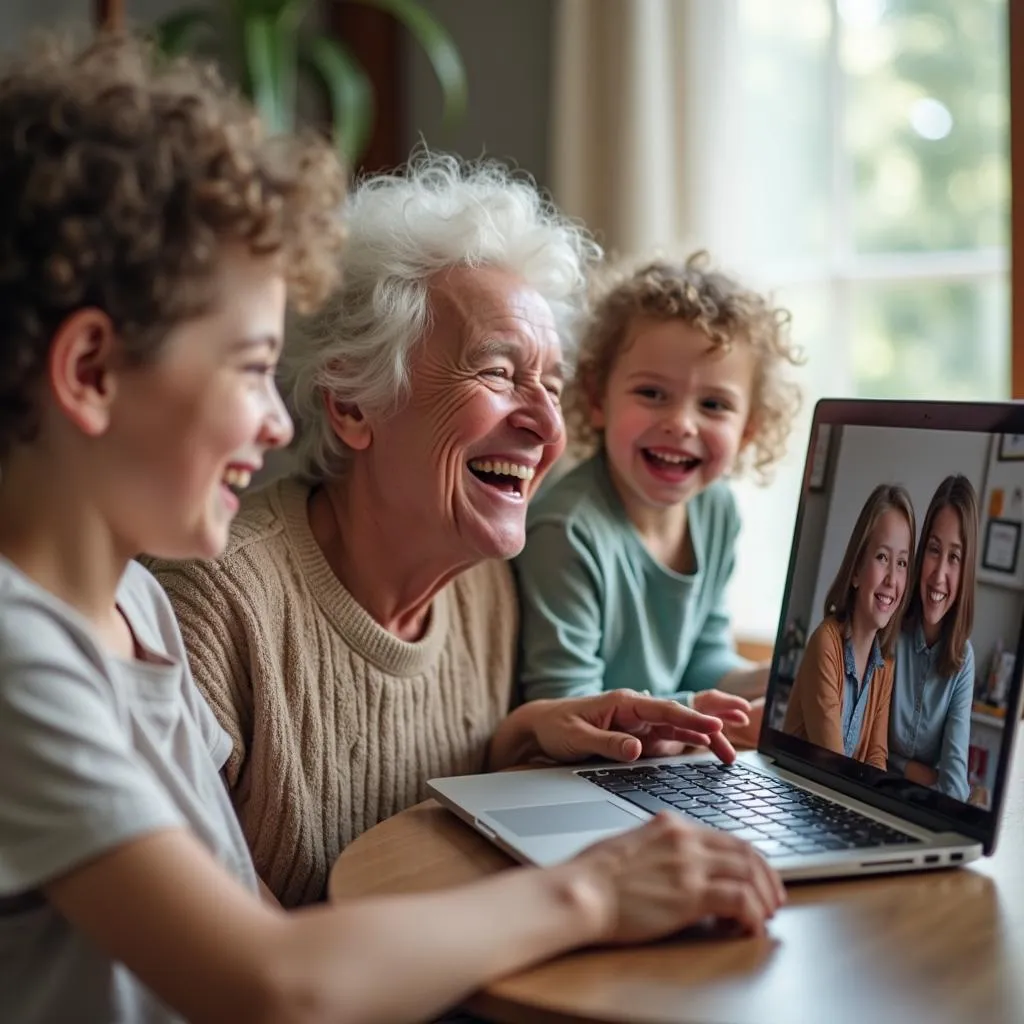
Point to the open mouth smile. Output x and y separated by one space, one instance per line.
236 479
509 478
670 466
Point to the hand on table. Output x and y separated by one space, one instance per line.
622 725
668 874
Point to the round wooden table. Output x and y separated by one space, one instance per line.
934 947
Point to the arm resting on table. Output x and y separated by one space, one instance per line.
214 953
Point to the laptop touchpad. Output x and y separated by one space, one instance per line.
551 819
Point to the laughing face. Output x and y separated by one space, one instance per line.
941 563
483 423
674 413
188 430
881 578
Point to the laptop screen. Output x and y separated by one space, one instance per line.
896 672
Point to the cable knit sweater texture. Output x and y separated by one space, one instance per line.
336 723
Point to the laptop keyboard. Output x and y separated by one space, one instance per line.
780 819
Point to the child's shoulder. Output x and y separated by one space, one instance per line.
28 614
714 518
147 607
34 622
719 501
575 516
580 495
38 631
828 633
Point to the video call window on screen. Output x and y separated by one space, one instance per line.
905 604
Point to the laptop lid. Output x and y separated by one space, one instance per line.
840 595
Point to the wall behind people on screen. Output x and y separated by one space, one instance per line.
862 457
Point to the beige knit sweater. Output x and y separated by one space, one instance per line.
336 723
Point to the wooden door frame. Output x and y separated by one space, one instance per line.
108 14
1016 63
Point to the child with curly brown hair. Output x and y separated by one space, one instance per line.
149 236
680 383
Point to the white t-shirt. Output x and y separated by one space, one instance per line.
94 751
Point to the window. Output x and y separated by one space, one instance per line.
872 176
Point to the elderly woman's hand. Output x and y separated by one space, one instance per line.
620 725
667 874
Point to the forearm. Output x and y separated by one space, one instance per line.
878 759
214 953
956 738
878 746
750 682
515 740
823 705
712 663
951 777
548 686
407 958
921 773
823 729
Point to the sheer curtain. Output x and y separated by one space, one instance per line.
646 150
643 146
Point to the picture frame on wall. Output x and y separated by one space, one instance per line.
1002 546
1011 447
819 457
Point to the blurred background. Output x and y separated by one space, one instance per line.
850 155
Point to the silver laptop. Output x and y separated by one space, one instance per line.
812 812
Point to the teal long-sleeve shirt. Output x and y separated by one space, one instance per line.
600 613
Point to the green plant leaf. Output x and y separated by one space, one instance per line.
174 34
259 45
288 22
270 44
349 90
440 49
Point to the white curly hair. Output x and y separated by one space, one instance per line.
437 212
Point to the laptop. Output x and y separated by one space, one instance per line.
814 812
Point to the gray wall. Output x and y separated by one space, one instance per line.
507 48
19 17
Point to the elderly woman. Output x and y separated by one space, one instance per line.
359 634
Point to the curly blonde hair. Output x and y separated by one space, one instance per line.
720 307
122 178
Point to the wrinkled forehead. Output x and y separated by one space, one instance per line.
490 307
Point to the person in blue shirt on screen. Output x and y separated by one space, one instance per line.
930 718
681 381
